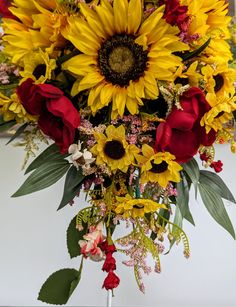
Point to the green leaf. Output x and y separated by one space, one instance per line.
51 153
73 237
18 133
43 177
59 286
217 184
183 200
215 207
73 182
192 170
4 126
190 55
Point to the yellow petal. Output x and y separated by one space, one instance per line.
147 151
150 23
90 80
120 8
134 16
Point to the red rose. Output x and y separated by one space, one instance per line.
111 281
110 263
58 118
4 9
181 134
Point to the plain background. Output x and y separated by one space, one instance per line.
33 245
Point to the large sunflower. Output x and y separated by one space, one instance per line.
123 55
113 149
133 208
158 167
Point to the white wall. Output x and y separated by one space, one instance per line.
32 240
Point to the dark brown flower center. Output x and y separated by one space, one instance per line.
219 80
159 168
219 114
39 71
138 206
114 149
120 59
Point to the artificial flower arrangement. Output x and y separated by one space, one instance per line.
127 93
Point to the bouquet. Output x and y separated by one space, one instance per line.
126 94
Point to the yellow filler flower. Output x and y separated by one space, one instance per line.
123 56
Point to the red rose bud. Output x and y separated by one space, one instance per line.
217 166
58 118
111 281
106 248
110 263
181 134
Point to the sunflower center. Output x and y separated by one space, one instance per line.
39 71
121 60
138 206
159 168
114 149
219 80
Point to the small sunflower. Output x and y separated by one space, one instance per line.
219 79
220 113
12 109
123 56
38 66
113 149
134 208
158 167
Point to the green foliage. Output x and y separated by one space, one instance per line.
183 200
51 153
73 183
215 207
212 189
59 286
44 176
4 126
189 55
73 237
217 184
193 172
18 132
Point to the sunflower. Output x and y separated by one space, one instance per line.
123 56
39 25
220 113
38 66
12 109
113 149
133 208
158 167
219 79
